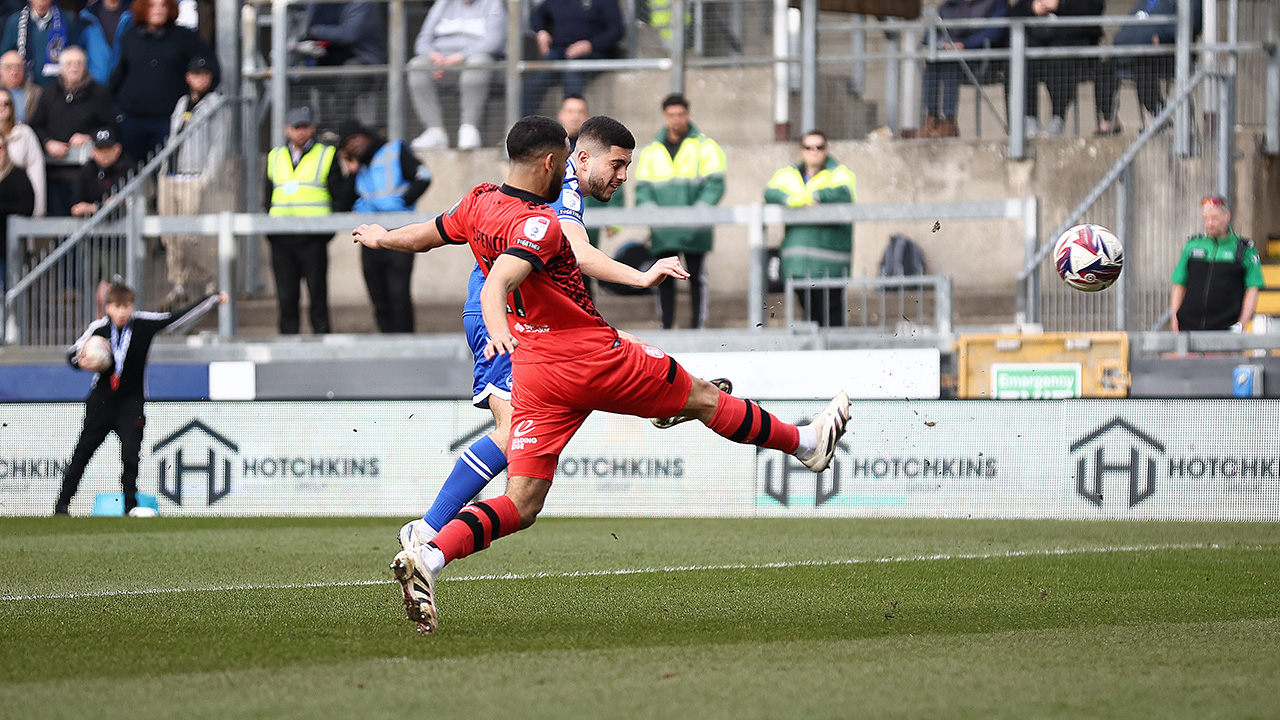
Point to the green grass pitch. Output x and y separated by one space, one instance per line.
643 618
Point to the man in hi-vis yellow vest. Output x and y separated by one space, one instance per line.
298 185
681 168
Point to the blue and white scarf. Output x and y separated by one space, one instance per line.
58 38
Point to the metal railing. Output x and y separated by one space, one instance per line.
56 291
1193 157
882 67
757 218
896 305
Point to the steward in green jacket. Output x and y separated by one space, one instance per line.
682 172
814 250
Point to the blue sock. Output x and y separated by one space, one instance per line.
479 463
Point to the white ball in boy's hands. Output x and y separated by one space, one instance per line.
95 354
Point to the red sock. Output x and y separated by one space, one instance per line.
743 421
476 527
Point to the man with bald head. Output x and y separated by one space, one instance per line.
13 77
40 32
65 119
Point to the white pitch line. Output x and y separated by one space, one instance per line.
636 571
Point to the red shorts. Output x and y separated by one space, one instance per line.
550 401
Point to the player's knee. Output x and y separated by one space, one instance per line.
703 400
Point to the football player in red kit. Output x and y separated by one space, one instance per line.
567 361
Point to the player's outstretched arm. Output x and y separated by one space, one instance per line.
504 277
602 267
416 237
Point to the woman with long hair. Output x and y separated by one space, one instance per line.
23 148
16 198
151 75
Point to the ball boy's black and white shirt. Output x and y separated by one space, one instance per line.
130 346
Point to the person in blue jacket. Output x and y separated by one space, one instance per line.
102 25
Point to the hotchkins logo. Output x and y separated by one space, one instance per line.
1127 452
175 468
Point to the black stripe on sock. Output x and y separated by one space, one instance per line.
477 530
493 520
766 426
744 430
671 370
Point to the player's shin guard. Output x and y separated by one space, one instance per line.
476 527
743 421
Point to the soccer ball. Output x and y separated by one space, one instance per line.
1088 257
95 354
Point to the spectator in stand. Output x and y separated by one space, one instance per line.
16 198
1061 76
39 32
571 30
347 34
681 168
381 176
573 112
456 34
24 149
102 25
940 88
98 180
301 179
351 32
816 251
191 186
1218 277
151 75
13 77
1148 71
68 114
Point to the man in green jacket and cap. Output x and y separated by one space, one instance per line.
681 168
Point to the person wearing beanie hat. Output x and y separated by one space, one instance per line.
381 176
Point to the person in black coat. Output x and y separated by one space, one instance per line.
65 118
17 197
154 55
99 178
1061 76
117 395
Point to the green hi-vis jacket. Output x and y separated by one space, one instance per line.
695 176
815 250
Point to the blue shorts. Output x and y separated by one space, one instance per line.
492 377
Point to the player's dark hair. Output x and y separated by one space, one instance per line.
602 132
675 99
534 136
120 294
572 96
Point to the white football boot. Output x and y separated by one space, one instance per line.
830 424
725 386
419 585
414 534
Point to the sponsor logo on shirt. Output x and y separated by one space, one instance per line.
536 228
531 245
527 328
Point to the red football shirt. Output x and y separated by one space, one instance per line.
551 313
